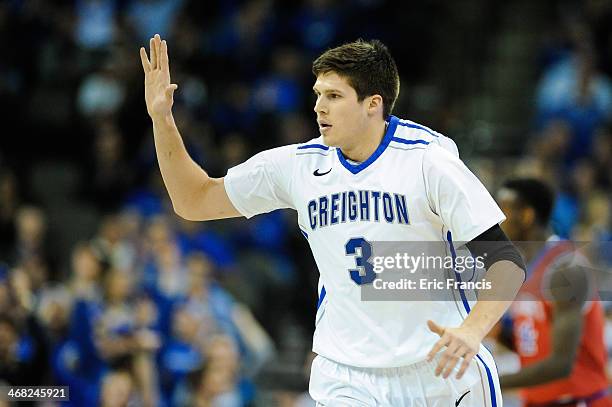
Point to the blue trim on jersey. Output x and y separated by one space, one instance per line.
324 154
406 149
466 304
401 140
393 121
418 126
321 146
490 380
321 297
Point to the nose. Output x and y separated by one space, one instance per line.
319 106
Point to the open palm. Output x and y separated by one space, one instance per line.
158 89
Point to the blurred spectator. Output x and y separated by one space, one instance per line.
114 244
548 149
150 17
86 272
23 350
79 359
245 30
101 93
281 90
602 157
32 247
217 384
8 208
53 311
317 24
119 390
234 102
294 128
110 293
125 336
116 337
574 91
95 26
109 176
199 237
31 229
181 355
13 370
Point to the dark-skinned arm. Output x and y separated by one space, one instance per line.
569 289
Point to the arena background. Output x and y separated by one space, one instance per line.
103 288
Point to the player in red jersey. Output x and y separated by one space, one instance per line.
558 322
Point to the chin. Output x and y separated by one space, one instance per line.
330 141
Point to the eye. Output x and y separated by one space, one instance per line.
334 96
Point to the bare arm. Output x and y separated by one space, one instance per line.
194 195
505 279
567 330
569 288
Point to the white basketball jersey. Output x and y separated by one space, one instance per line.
414 187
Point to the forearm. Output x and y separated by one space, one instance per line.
547 370
505 279
184 178
567 331
194 195
145 372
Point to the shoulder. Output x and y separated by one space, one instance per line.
277 155
436 157
410 134
567 275
314 146
283 157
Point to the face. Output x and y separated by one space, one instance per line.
116 389
199 269
85 264
118 285
185 325
513 226
341 117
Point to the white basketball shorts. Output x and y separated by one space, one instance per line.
333 384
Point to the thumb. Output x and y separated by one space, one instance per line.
170 89
435 328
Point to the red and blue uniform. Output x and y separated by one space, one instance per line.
533 314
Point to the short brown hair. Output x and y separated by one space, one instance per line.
368 67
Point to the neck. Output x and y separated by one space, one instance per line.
367 142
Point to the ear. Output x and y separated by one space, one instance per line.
375 104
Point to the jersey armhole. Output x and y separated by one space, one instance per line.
292 176
425 184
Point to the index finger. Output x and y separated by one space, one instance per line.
436 348
146 65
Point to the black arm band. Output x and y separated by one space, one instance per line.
493 245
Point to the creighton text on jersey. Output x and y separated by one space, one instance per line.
358 206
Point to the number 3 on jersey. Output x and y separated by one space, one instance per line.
362 250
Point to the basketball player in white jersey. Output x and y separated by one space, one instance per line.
368 177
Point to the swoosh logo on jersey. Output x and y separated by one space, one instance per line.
316 172
461 398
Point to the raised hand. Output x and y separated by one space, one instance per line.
159 92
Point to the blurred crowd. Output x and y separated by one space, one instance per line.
572 146
104 289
